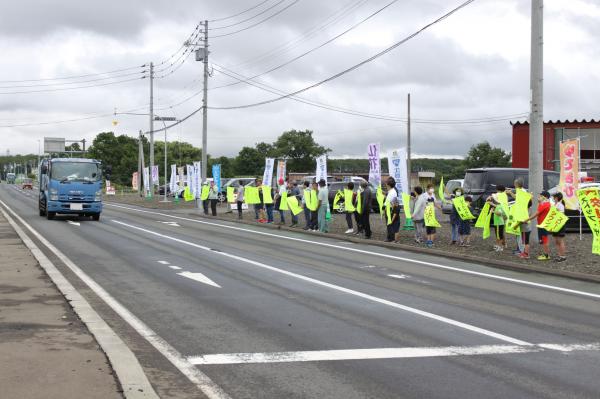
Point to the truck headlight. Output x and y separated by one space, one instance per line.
98 196
53 194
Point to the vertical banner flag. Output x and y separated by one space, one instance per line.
155 175
181 171
589 199
321 173
146 180
134 181
216 169
398 169
374 164
189 169
281 166
569 172
196 184
268 173
173 181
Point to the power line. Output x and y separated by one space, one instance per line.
240 13
73 83
354 67
249 18
259 22
73 88
315 48
73 77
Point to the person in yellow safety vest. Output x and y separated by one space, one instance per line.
293 191
392 211
349 195
431 202
306 194
314 212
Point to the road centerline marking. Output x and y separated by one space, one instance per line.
359 294
381 255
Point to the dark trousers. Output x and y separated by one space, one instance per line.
358 220
307 217
213 206
205 206
366 223
239 206
282 216
314 220
349 220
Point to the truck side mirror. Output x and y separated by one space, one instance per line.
44 169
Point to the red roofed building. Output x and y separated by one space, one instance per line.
554 133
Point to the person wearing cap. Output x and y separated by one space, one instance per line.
559 236
544 206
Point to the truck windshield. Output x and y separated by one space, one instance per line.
475 181
75 171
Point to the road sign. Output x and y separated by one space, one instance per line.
54 144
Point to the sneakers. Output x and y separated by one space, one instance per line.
349 231
560 259
524 255
543 257
429 244
498 248
516 252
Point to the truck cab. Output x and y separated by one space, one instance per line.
70 186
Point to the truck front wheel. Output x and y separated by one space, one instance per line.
50 215
96 217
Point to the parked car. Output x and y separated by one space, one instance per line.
27 183
574 215
234 182
480 183
451 185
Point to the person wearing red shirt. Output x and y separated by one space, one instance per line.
543 234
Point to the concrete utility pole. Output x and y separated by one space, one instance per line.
408 145
536 118
140 163
151 126
204 109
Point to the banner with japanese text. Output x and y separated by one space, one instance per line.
173 181
216 172
398 170
197 180
589 199
268 173
374 154
134 181
155 175
569 172
321 173
281 170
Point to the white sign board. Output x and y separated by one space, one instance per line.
321 173
54 144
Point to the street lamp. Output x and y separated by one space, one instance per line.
163 120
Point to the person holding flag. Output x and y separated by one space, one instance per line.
559 236
392 211
294 192
366 196
349 206
306 196
544 206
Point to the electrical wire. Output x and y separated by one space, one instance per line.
354 67
240 13
257 23
317 47
74 77
249 18
73 88
73 83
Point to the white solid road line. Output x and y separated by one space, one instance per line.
131 376
380 353
368 297
378 254
201 380
201 278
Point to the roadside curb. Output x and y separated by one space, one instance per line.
129 373
424 251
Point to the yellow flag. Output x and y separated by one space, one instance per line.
483 216
283 204
503 199
251 195
589 201
406 205
554 220
293 205
267 197
204 193
310 199
337 198
230 194
486 227
187 195
512 226
441 191
388 213
380 198
462 208
430 220
348 194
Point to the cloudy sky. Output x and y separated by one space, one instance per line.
467 75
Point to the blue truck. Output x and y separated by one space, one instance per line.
70 186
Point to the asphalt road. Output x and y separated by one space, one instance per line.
253 313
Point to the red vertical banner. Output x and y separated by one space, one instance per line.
569 172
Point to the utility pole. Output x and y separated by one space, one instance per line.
408 145
204 164
151 127
140 163
536 118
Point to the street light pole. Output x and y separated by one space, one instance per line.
163 120
151 127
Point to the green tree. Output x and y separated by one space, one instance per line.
251 161
121 153
484 155
227 166
300 149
